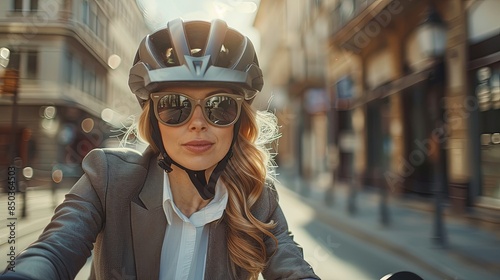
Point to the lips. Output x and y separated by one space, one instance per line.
198 146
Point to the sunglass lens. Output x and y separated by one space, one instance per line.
174 109
221 110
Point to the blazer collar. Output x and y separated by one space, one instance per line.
148 230
151 193
148 221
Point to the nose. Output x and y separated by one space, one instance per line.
198 121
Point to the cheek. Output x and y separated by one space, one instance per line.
226 139
168 136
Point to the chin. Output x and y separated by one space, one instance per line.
198 165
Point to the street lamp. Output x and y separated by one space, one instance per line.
10 84
28 174
10 79
431 35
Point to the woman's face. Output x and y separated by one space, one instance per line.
197 144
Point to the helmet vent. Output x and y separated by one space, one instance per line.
169 59
223 58
196 52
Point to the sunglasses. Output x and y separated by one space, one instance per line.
175 109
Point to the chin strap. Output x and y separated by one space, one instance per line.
204 188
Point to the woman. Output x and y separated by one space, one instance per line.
198 203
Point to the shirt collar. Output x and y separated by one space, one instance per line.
211 212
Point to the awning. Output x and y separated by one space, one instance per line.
484 61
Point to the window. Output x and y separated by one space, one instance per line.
76 78
32 65
68 68
89 82
100 84
83 77
92 82
14 60
26 62
94 19
85 12
18 5
89 16
25 5
33 5
317 4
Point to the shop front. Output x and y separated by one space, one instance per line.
484 101
485 88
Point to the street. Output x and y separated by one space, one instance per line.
334 254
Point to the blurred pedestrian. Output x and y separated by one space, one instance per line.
199 203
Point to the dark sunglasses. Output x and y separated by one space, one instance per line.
175 109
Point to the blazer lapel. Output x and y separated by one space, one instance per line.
217 265
148 224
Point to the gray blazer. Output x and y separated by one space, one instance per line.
115 209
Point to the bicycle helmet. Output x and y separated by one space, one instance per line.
195 53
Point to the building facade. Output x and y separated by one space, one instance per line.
393 117
72 57
483 86
406 117
292 52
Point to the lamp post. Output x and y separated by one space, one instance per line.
431 35
28 174
10 79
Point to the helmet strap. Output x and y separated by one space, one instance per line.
197 177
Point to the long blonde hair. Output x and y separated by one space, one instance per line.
245 178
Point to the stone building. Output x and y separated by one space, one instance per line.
292 56
405 116
72 57
394 117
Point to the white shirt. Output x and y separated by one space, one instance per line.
184 250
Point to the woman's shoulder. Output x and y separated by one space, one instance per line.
268 200
118 156
270 190
119 161
117 169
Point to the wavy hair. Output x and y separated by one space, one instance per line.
245 178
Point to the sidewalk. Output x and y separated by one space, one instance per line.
471 253
40 208
41 203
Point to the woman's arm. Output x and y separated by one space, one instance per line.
287 262
66 243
